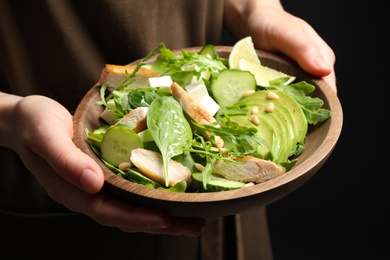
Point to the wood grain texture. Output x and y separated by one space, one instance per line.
321 140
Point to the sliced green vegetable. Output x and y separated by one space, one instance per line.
216 183
230 86
209 49
117 144
287 121
181 186
139 178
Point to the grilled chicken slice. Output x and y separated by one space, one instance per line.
251 169
116 74
194 110
151 164
135 119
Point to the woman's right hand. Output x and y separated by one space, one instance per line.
40 130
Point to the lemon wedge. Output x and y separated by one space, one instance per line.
244 57
263 74
243 50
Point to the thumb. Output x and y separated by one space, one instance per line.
52 141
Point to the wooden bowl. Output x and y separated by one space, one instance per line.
321 140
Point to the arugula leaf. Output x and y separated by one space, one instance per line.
130 78
184 66
207 172
239 139
141 97
102 92
311 106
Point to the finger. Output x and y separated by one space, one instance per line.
100 207
132 218
75 166
301 43
52 139
306 48
127 217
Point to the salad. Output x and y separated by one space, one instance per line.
192 122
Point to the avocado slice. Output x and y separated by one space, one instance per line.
284 117
279 136
265 132
281 146
287 121
299 118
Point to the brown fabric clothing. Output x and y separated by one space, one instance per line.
57 48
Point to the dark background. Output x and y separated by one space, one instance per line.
341 212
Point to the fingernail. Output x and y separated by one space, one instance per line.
88 180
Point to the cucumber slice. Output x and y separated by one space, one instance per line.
117 144
209 49
231 85
181 186
139 178
216 183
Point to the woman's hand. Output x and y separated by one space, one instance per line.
275 30
40 130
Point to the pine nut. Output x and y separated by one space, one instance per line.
272 95
254 110
124 166
248 92
255 120
199 167
223 150
219 142
270 107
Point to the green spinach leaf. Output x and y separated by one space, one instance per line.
169 129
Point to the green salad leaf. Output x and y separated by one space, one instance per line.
184 66
169 129
311 106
